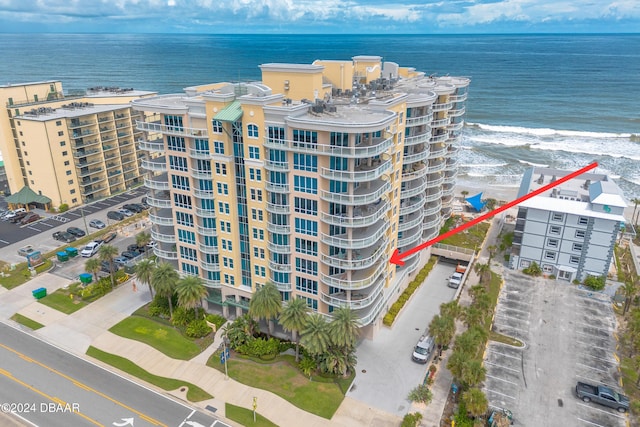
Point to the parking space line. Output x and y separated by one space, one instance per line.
4 241
46 223
515 309
501 366
34 229
502 354
590 335
591 345
622 417
74 214
594 327
604 360
501 394
501 379
592 299
592 423
501 325
591 367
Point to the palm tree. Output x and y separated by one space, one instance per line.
337 362
473 373
629 289
191 291
456 362
468 342
142 239
344 328
144 270
164 281
266 303
475 401
473 316
93 266
482 270
315 336
636 202
442 329
451 309
293 319
492 251
108 253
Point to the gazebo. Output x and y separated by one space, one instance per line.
26 197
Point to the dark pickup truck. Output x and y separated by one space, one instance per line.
602 395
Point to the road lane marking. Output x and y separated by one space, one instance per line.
593 346
47 224
622 417
4 241
600 358
86 387
503 354
74 214
515 309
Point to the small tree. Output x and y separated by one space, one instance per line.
93 266
533 269
596 283
142 239
442 329
629 289
476 402
108 253
144 272
411 420
293 318
266 303
420 394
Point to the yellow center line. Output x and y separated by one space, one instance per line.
84 387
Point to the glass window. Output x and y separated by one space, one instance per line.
583 220
555 229
216 126
254 152
306 285
306 206
305 226
252 131
218 147
552 243
305 162
176 143
305 184
580 234
555 216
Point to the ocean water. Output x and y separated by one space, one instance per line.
557 100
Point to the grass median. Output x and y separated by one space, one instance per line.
194 393
245 416
29 323
62 300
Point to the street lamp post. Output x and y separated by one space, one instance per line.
84 219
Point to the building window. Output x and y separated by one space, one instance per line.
202 145
64 153
550 255
216 126
555 229
223 207
189 269
254 152
182 201
72 191
302 138
70 182
221 168
306 285
180 182
252 131
308 247
555 216
59 123
66 163
311 303
74 200
178 163
258 253
305 162
306 266
580 234
227 244
573 259
525 263
176 143
188 253
256 214
552 243
583 220
306 206
256 194
227 262
61 133
218 147
222 188
258 234
186 236
305 184
30 173
577 247
183 218
68 172
305 226
547 268
173 123
62 143
255 174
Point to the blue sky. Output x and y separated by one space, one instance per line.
320 16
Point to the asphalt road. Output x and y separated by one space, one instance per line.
11 233
50 387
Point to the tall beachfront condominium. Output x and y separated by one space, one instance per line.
308 179
72 149
569 231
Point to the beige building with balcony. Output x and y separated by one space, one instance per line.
72 149
308 179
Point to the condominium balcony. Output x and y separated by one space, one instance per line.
274 187
424 137
442 107
459 111
437 165
206 212
420 120
420 154
157 182
361 173
207 249
441 137
359 237
412 204
433 194
437 150
212 284
209 266
203 194
450 177
432 207
158 164
430 233
454 138
85 143
87 182
122 125
357 279
128 159
104 129
125 142
162 217
281 268
76 125
92 190
452 163
452 150
367 148
413 188
108 147
458 98
447 211
163 234
200 154
201 174
354 300
435 179
83 133
357 259
280 249
456 126
414 171
104 119
363 195
410 263
86 153
409 221
170 130
431 221
281 209
447 190
362 215
276 166
278 229
88 172
123 134
205 231
441 122
122 116
410 237
153 146
168 255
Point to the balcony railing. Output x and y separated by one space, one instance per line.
203 194
204 231
442 107
362 215
437 165
437 151
201 174
200 154
433 208
156 184
359 280
279 229
206 213
276 166
165 254
281 268
410 237
362 173
431 221
458 98
89 172
433 194
412 204
73 125
208 249
368 148
417 121
416 187
162 237
280 249
361 196
442 137
456 126
157 165
409 221
358 260
209 266
86 153
457 112
281 209
415 157
170 130
155 146
360 238
276 187
418 139
162 217
356 300
441 122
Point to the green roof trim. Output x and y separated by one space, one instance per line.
26 196
230 113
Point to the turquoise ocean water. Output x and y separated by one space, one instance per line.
557 100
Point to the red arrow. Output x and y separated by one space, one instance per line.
396 258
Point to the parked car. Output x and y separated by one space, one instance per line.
603 395
423 350
104 266
130 254
91 249
25 250
7 215
133 207
455 280
17 217
96 223
115 215
120 260
109 236
29 218
125 212
63 236
76 231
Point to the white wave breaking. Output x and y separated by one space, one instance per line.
548 131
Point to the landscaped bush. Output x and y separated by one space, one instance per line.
96 290
595 282
197 329
411 420
285 345
159 307
533 270
183 316
260 347
420 394
216 319
63 208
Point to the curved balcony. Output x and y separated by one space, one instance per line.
359 279
452 163
157 165
420 120
367 148
209 266
204 231
437 165
409 221
362 215
281 268
433 194
163 234
208 249
279 209
435 179
457 112
200 154
280 249
162 217
442 137
411 263
458 98
170 130
361 173
450 178
203 194
431 221
201 174
454 138
417 139
360 237
419 156
85 143
410 237
213 284
447 190
441 122
157 182
414 188
413 204
276 187
206 213
160 253
354 300
276 166
279 229
447 211
433 207
363 195
442 106
428 235
86 153
456 126
452 150
364 258
437 151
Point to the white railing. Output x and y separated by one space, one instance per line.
161 237
341 281
165 254
160 220
357 176
377 146
356 199
204 231
156 185
421 120
171 130
355 243
208 249
206 213
414 140
355 220
280 249
350 264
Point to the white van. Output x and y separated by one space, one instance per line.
424 349
91 249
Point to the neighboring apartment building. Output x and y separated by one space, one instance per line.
308 179
569 231
70 149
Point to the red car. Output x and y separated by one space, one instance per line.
29 218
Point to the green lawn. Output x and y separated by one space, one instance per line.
22 274
194 393
245 416
29 323
495 336
163 338
470 238
61 300
317 397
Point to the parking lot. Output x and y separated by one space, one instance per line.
569 337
